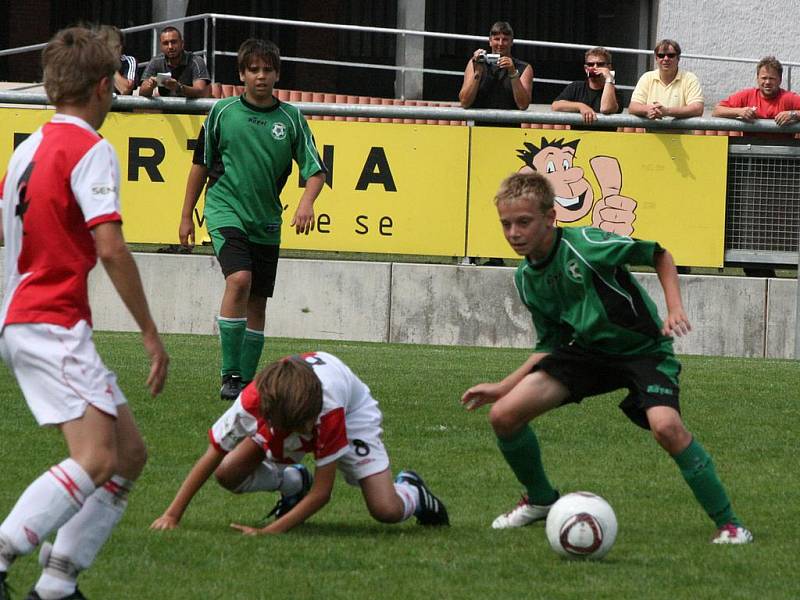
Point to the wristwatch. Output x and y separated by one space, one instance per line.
180 88
514 75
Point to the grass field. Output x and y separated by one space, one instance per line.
744 411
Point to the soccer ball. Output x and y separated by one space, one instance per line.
581 525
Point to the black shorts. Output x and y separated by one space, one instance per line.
235 252
650 380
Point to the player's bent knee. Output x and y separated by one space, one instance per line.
672 436
239 280
503 422
228 480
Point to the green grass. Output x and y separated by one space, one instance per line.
745 412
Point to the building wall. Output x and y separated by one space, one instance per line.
736 28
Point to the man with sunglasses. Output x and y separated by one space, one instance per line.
595 94
667 91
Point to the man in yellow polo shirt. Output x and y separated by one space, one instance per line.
667 91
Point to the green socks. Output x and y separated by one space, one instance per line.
252 346
698 470
231 336
524 457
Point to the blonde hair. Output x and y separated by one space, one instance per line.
73 62
533 187
291 393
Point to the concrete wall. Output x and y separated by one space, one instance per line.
736 28
437 304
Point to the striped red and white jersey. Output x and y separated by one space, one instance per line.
61 182
346 404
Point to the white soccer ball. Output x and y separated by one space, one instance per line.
581 525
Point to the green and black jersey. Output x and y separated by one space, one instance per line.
582 292
250 150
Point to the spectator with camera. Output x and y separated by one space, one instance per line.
175 72
594 94
496 79
667 91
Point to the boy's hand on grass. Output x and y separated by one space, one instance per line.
164 522
246 530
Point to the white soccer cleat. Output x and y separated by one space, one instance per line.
523 514
732 534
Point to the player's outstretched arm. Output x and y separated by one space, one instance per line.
303 220
195 182
317 497
677 322
199 474
487 393
122 270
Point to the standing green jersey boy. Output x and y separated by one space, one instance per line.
245 151
597 331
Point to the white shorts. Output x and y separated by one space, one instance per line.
59 371
366 454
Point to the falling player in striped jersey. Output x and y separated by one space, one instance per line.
311 403
597 331
61 211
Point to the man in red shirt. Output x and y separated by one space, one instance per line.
766 101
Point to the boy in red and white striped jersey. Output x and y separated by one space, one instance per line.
60 211
305 404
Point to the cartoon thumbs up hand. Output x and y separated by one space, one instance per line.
613 212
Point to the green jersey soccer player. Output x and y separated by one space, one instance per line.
247 147
597 331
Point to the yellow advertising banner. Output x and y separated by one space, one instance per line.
391 188
665 187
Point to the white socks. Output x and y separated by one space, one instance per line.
44 506
269 477
80 539
409 494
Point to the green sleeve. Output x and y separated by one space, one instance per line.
304 149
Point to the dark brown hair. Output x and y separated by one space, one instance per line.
291 394
257 48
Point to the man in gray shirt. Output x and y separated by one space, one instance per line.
175 71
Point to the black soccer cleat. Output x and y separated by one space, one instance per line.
287 503
5 592
76 595
431 510
231 387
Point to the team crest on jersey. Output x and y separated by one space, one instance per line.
573 271
278 130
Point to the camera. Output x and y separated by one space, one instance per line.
490 59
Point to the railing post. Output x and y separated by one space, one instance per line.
212 55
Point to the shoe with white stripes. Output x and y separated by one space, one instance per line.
524 513
431 511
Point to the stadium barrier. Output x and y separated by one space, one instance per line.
756 172
436 304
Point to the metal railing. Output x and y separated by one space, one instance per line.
210 51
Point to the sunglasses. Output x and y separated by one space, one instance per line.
666 54
595 64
